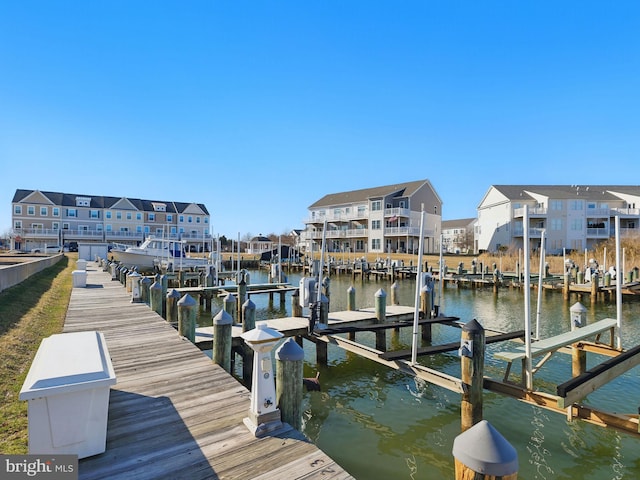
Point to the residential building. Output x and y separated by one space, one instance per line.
40 218
457 235
573 217
382 219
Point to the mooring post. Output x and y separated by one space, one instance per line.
155 295
426 307
351 298
222 324
145 283
395 288
594 288
482 453
242 297
496 279
187 317
296 308
566 287
578 356
136 294
471 353
289 360
381 312
248 323
172 306
164 281
229 305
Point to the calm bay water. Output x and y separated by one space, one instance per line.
380 424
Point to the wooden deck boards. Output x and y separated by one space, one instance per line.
173 413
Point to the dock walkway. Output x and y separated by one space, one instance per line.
173 413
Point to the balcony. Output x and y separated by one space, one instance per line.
396 212
598 213
407 232
191 236
123 236
31 233
626 212
600 232
534 232
533 212
82 234
338 217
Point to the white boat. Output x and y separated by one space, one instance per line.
158 253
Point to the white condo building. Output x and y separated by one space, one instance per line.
573 217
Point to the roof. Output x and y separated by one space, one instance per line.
359 196
458 223
99 201
584 192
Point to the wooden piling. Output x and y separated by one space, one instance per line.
155 296
381 311
187 317
394 289
296 308
145 283
289 363
426 307
172 306
242 297
229 306
222 324
594 288
578 314
472 367
351 298
248 315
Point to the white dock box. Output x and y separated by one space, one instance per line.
67 388
79 278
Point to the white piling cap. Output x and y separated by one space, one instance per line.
484 450
261 334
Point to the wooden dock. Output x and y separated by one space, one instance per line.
173 413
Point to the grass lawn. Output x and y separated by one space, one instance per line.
29 312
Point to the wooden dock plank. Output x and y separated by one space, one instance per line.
173 413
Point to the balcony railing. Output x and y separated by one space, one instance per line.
338 217
601 232
112 235
533 232
627 212
407 231
533 212
36 232
397 212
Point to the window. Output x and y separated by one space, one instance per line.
206 219
108 214
173 230
37 226
336 212
376 205
72 212
158 231
56 211
197 219
44 211
181 219
152 217
576 224
362 210
577 205
375 244
99 227
189 219
94 214
124 229
139 229
17 209
181 230
17 224
146 229
55 226
65 225
83 228
556 205
31 210
83 201
138 216
169 217
556 224
119 215
108 227
375 225
129 215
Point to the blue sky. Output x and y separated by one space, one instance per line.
258 109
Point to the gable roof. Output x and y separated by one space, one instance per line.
363 195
